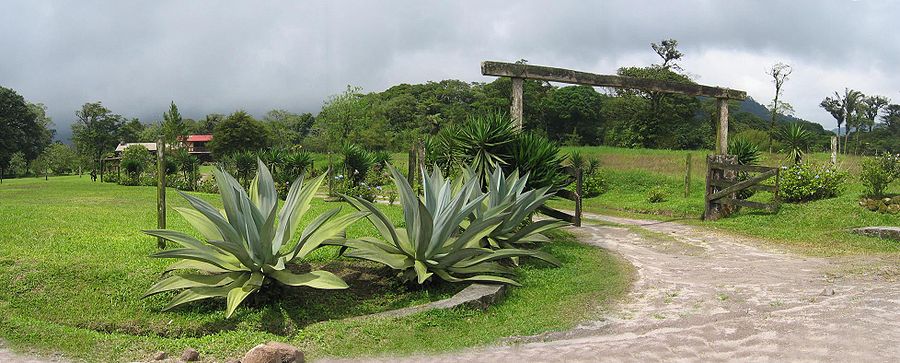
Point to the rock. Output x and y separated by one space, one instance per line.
160 355
880 232
828 291
273 352
190 355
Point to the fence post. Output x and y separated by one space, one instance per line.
161 190
411 166
687 176
722 130
579 188
713 210
834 146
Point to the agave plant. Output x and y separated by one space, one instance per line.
541 158
516 229
433 244
246 250
746 152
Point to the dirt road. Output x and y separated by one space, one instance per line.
703 296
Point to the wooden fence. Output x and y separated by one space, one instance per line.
723 186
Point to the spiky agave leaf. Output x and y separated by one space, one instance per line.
516 229
245 246
433 244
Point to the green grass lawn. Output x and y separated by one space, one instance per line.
74 266
816 228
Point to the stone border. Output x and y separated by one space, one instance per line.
880 232
479 296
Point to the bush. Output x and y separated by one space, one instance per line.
208 185
879 172
592 185
134 161
804 182
657 194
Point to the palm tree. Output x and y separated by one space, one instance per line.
835 107
852 100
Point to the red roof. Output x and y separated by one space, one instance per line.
199 138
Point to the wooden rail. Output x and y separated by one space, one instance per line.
722 186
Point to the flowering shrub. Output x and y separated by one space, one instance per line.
879 172
804 182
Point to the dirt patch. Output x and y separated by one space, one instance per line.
738 299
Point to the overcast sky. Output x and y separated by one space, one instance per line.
219 56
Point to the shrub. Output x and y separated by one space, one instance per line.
879 172
804 182
245 251
134 161
593 185
540 158
357 163
208 185
433 242
657 194
18 166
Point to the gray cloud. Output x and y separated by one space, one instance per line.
214 56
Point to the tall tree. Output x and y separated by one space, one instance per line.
852 100
95 130
288 128
872 108
668 51
779 73
22 129
173 127
891 117
239 132
208 124
131 131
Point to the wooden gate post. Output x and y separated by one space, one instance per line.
722 130
714 174
579 190
516 104
687 175
161 190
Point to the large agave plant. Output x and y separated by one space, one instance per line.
245 250
433 242
516 229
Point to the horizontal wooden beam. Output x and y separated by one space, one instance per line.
739 167
551 74
742 185
545 210
726 183
771 207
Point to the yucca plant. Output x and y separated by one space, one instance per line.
296 163
541 158
246 250
483 142
745 151
516 229
796 139
433 243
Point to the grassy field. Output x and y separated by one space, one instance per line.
74 266
816 228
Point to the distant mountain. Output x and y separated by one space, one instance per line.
750 106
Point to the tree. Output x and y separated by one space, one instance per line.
134 160
287 128
18 166
349 116
173 127
575 111
131 131
835 107
872 108
668 51
779 73
891 117
851 101
95 130
209 123
239 132
23 128
60 158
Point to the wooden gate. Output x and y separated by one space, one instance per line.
570 195
723 186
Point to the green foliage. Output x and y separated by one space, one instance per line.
296 163
23 128
61 158
135 159
239 132
357 163
879 172
745 151
796 141
516 229
540 158
95 130
173 126
805 182
657 194
288 129
187 164
433 242
18 166
245 251
483 143
593 184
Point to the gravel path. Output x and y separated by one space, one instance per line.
703 296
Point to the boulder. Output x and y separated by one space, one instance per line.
160 355
273 352
190 355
